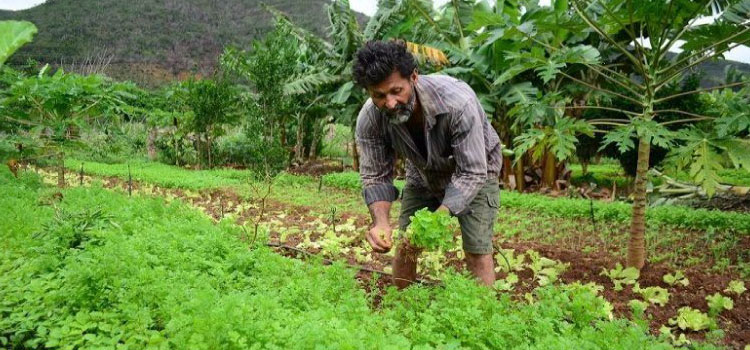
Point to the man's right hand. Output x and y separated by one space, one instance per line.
379 238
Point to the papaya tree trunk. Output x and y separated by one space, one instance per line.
549 173
61 169
637 244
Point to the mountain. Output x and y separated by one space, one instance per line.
153 40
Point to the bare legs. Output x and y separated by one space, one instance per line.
405 266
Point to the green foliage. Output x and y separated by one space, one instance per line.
736 287
139 273
689 318
718 303
545 270
653 295
678 216
13 35
638 308
507 283
431 230
677 278
620 275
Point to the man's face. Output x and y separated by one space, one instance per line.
395 96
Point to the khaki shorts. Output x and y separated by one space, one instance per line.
476 224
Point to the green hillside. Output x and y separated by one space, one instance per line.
155 37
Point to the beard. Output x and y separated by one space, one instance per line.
402 112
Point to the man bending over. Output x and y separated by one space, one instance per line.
452 154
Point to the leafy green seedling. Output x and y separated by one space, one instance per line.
545 270
620 275
654 295
506 283
638 308
689 318
677 278
430 230
676 341
507 262
736 287
718 303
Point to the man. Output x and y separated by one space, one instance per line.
452 154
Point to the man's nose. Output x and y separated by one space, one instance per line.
390 103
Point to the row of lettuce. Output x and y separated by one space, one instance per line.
87 268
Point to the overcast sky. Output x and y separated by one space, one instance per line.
367 7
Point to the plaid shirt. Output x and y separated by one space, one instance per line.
463 150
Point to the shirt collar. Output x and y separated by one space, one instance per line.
429 99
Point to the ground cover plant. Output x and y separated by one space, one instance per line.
300 216
135 272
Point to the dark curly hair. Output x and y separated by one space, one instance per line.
376 60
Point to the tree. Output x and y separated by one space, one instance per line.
643 32
213 102
54 108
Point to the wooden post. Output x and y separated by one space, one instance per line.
81 175
130 182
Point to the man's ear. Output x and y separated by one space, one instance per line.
414 76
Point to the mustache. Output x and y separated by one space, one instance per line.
396 110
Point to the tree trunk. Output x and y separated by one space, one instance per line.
61 170
637 245
176 151
318 130
298 147
208 149
282 132
355 155
549 174
518 173
151 144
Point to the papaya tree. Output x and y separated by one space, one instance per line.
54 108
644 32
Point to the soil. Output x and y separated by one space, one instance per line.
318 167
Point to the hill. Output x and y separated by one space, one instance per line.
153 39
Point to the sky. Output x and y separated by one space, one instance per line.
367 7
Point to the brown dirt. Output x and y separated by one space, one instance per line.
318 167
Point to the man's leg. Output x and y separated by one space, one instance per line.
405 262
482 266
477 232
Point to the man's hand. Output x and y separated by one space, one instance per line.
443 209
379 238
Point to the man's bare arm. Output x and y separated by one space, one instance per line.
379 236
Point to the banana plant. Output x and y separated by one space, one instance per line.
13 35
643 32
